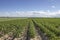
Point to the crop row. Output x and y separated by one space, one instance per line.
50 31
31 31
17 27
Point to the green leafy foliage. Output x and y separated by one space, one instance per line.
32 31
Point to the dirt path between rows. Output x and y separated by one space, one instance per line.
43 37
37 37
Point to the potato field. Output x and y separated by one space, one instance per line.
29 28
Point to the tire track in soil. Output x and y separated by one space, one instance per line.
44 37
38 37
27 36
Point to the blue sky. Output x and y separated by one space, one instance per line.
27 8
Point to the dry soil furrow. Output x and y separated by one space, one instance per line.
42 35
37 37
27 35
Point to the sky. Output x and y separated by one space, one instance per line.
30 8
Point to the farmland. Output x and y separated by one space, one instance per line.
29 28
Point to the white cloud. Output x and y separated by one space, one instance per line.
46 13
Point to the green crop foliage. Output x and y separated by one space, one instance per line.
16 26
32 31
48 27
